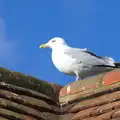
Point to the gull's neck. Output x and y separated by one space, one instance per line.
60 47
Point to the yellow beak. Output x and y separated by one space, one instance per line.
43 46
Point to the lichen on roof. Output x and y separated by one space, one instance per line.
24 97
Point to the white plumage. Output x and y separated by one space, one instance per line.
77 62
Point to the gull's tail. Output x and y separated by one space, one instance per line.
111 62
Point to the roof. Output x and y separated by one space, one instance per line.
23 97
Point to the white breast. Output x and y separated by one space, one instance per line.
62 62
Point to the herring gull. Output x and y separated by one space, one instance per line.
78 62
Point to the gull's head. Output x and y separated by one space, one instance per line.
54 43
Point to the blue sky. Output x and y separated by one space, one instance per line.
25 24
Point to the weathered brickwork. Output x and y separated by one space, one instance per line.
24 97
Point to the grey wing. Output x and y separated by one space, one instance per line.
109 61
85 57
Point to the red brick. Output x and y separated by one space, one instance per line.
63 92
111 78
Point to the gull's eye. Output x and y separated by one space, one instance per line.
53 41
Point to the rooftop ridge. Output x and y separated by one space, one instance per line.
25 97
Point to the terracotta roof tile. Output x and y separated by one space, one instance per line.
24 97
111 78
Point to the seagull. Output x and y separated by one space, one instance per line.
78 62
